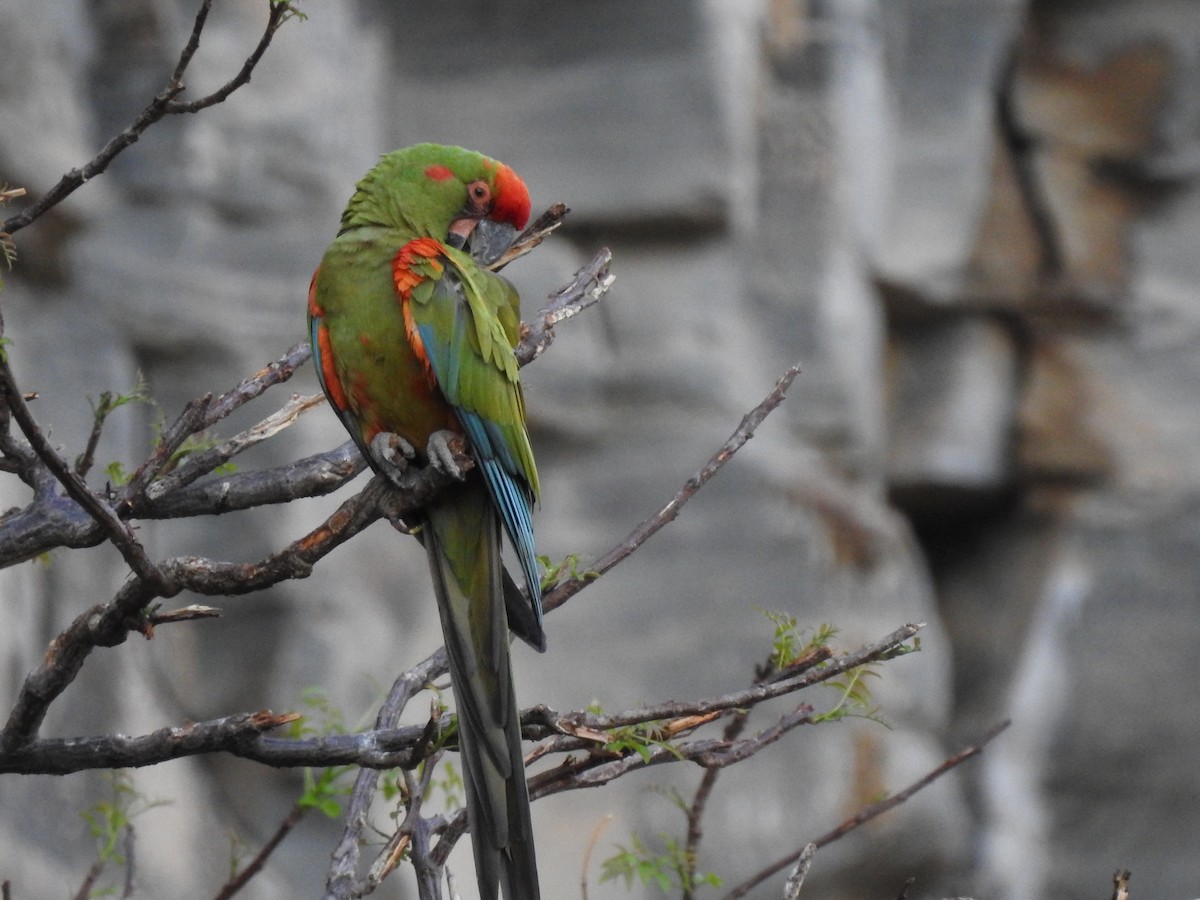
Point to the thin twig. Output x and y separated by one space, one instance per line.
567 588
529 239
85 889
795 879
239 881
199 464
1121 884
204 412
584 290
130 842
586 863
185 614
162 105
279 12
695 810
115 530
870 812
100 412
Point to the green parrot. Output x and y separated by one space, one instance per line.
413 337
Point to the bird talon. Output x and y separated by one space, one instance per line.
391 454
445 450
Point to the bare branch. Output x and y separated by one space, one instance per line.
278 13
162 105
107 625
201 463
313 476
529 239
53 520
710 753
795 879
585 289
204 412
870 812
886 648
120 534
239 881
564 590
60 756
339 882
89 881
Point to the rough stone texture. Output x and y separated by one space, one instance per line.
973 225
951 411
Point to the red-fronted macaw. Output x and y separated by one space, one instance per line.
412 337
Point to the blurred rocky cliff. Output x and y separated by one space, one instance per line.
974 225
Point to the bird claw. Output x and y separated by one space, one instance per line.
445 450
391 454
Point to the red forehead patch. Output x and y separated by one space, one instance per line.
438 172
512 198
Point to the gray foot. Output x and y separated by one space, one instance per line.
391 454
447 452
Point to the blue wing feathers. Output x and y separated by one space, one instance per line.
501 471
510 495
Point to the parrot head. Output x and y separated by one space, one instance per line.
455 195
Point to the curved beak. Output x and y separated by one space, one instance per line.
490 240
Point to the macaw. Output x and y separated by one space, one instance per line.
412 336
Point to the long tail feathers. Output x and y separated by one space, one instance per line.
463 542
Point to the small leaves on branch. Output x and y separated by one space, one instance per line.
188 472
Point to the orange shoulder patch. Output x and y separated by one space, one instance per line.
416 253
417 261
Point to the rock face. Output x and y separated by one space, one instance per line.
972 224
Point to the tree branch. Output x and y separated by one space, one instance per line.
313 476
389 745
339 882
162 105
199 464
108 624
564 590
204 412
867 813
242 878
585 289
114 529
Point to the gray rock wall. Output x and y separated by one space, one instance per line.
972 224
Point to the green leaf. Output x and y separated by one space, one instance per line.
670 867
116 473
324 790
110 819
569 564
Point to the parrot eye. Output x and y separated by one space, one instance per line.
479 198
